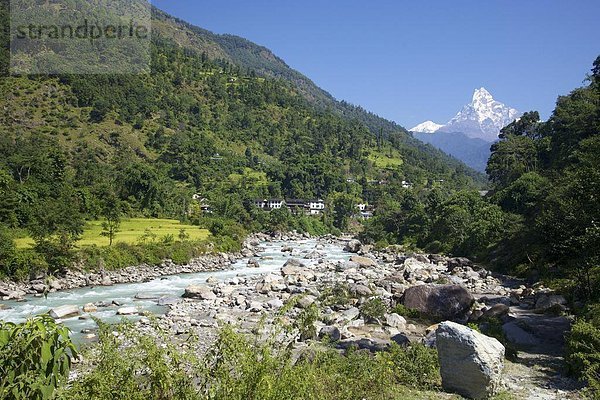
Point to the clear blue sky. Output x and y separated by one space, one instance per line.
410 61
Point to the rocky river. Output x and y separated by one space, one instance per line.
248 289
134 291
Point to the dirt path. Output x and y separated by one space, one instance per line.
539 371
539 377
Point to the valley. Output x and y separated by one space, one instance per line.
218 226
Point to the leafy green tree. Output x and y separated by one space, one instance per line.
570 220
35 358
596 68
56 226
523 196
8 252
280 219
467 225
528 125
547 173
343 206
512 157
112 211
183 235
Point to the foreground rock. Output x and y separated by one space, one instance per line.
471 363
439 301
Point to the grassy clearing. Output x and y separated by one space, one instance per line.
385 160
251 177
131 232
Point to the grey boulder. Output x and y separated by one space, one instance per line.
201 292
444 302
330 332
65 311
471 363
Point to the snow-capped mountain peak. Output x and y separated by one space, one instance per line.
467 136
426 127
483 118
481 95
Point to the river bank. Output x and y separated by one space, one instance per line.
78 296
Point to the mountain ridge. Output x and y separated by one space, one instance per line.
470 133
482 118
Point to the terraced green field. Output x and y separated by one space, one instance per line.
131 231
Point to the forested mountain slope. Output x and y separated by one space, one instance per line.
203 121
262 61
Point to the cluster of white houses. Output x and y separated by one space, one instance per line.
297 206
309 207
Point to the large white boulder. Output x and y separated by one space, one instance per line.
127 311
471 363
66 311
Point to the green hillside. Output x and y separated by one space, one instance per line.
260 60
219 116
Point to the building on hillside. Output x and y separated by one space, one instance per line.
407 185
365 211
202 203
316 207
296 206
366 214
269 204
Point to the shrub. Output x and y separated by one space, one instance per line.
122 255
7 252
416 366
24 265
134 366
336 296
373 309
305 323
238 368
401 309
583 354
34 358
